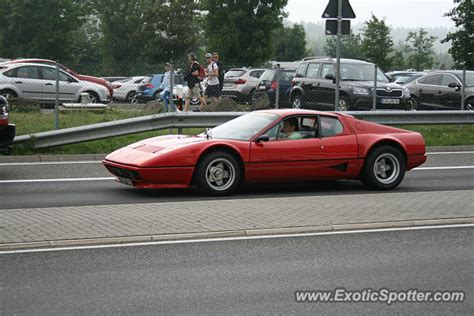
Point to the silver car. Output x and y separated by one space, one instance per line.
126 89
240 83
38 82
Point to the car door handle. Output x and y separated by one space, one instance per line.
421 90
315 84
48 84
18 81
439 92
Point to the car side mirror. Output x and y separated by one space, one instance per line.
330 77
262 138
454 85
390 78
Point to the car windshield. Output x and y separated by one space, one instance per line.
361 72
469 78
244 127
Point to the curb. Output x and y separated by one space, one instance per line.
231 233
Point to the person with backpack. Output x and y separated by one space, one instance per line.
193 77
212 82
215 58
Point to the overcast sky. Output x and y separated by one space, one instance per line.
409 13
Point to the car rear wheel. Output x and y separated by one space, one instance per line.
130 98
93 97
344 103
296 101
8 94
218 173
384 168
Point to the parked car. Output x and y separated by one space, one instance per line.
406 79
442 90
92 79
272 146
149 88
126 89
38 82
314 86
240 83
7 131
394 75
268 84
113 79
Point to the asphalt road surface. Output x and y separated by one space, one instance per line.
88 183
253 276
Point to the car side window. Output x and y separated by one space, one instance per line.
50 74
434 80
328 69
294 128
256 74
27 72
313 71
301 71
447 79
330 126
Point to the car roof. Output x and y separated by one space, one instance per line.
333 60
18 64
286 112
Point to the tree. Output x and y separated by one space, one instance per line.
462 39
420 50
377 43
290 43
42 29
398 61
241 30
351 46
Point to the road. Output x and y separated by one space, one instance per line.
253 276
88 183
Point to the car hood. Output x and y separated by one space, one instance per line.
155 144
370 84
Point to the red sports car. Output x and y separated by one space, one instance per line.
272 146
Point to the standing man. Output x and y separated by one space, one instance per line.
165 86
194 82
215 58
212 72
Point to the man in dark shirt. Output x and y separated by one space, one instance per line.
194 83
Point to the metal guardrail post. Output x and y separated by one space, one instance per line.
374 94
171 102
56 103
277 88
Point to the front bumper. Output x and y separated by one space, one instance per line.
365 103
7 134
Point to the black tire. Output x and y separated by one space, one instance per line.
93 96
469 104
8 94
390 165
296 101
415 103
251 97
344 103
210 176
130 98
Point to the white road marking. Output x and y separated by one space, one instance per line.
191 241
113 178
450 153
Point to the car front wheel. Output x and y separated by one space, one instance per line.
218 173
384 168
296 102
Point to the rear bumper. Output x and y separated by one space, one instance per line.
7 134
154 177
414 161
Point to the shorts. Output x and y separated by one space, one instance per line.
194 92
213 91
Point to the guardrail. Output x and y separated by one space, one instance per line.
210 119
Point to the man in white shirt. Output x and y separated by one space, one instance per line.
212 72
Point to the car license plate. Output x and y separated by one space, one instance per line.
262 88
390 101
228 84
125 181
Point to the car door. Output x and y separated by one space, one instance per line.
68 86
427 91
311 84
450 97
286 159
327 88
27 80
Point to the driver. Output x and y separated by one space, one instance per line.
290 129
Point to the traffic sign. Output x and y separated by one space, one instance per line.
331 10
331 27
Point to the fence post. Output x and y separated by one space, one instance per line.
463 91
56 103
277 87
374 94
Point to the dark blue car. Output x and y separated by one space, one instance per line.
267 84
149 88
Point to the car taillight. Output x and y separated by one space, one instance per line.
116 86
273 85
240 81
149 86
3 115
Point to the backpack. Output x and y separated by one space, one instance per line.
202 73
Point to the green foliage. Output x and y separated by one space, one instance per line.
420 50
398 61
290 43
241 30
462 39
351 46
377 44
44 28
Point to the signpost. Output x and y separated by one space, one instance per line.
335 12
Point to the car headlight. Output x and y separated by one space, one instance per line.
406 92
360 91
